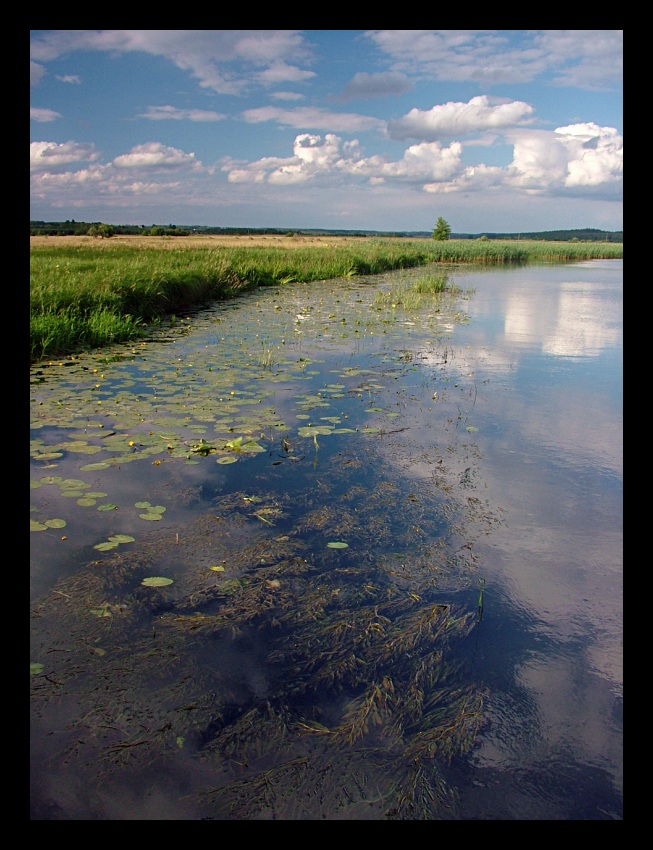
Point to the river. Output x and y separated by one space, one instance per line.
336 551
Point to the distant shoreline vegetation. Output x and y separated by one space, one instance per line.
97 228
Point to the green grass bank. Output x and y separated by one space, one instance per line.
90 295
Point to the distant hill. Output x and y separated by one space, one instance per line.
80 228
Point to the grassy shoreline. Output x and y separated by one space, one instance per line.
87 293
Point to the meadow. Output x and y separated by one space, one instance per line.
87 293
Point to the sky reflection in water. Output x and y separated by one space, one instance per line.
546 346
528 392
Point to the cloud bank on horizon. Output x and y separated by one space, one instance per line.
495 130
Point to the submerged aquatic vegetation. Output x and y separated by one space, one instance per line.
294 634
345 674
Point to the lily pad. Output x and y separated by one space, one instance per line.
337 544
156 581
314 430
251 447
154 512
203 448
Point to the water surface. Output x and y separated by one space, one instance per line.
546 345
468 452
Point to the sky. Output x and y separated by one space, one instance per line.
496 131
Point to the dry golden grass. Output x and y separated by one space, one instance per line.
280 241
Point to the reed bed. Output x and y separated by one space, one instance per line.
93 294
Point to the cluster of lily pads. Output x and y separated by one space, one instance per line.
342 588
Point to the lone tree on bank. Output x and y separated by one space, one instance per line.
442 231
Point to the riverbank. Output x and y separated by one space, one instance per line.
86 293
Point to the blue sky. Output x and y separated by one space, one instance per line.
494 130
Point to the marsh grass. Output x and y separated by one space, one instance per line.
412 296
94 294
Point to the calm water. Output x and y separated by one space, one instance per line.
546 345
468 452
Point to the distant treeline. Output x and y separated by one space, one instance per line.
100 229
588 234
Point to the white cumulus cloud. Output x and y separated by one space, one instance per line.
596 154
44 156
426 161
573 157
155 155
453 119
